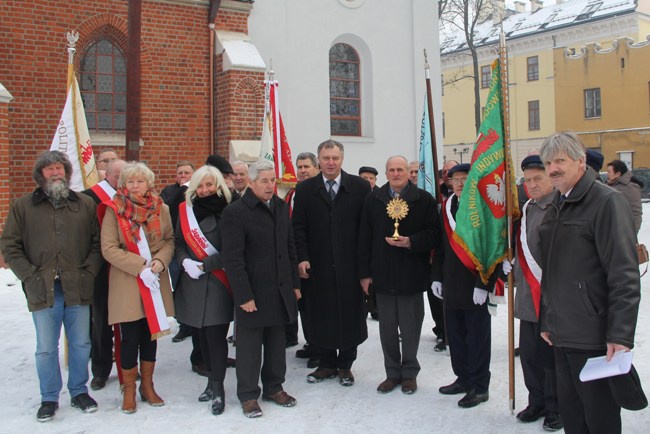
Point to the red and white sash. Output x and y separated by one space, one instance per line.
152 301
197 242
450 226
531 269
105 193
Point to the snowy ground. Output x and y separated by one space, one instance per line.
322 408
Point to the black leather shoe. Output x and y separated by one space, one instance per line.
98 383
200 369
440 347
304 353
473 399
313 362
453 389
46 411
181 335
291 344
553 422
531 413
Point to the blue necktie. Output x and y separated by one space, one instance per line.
331 183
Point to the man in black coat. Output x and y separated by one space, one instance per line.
326 214
468 322
259 257
101 334
590 283
398 268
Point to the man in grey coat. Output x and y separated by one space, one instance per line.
620 178
51 243
259 257
590 283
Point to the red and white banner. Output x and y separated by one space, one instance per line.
197 242
275 146
72 139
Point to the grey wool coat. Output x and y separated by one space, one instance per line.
260 260
204 301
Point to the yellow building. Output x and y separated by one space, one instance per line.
533 39
603 94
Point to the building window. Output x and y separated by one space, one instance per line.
345 92
533 115
103 87
533 68
592 103
486 76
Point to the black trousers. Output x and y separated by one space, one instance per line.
250 366
196 356
214 347
538 367
136 337
101 336
469 337
587 407
336 359
400 316
437 313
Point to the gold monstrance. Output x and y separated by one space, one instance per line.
397 209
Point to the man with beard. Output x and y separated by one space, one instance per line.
326 219
51 243
102 335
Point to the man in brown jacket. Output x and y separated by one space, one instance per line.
51 243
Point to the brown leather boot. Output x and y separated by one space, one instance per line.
147 392
128 390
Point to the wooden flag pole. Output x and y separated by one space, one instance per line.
434 150
503 60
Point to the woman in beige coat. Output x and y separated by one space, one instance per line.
140 208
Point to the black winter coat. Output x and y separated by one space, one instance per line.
590 279
327 233
396 270
259 257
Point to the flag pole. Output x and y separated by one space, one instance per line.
503 60
434 151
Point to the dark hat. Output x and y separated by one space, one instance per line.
532 162
220 163
368 169
458 168
595 160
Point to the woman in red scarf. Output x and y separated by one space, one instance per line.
202 299
138 242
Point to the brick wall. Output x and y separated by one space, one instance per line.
5 167
175 79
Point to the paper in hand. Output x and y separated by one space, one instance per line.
599 367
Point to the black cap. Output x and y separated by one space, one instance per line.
220 163
368 169
458 168
532 162
595 160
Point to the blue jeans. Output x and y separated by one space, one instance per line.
76 320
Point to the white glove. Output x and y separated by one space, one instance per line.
480 295
192 268
150 279
507 266
436 287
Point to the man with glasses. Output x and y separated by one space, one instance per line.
468 323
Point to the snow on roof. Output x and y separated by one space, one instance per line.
551 17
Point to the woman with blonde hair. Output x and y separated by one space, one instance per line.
203 298
138 242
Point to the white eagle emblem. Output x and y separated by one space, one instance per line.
497 192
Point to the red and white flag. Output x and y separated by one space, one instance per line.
275 146
72 139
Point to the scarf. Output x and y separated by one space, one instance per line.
139 210
210 205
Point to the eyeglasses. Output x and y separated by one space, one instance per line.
107 160
459 181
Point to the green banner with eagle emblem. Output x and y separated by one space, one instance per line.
481 220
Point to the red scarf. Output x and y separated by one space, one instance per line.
139 210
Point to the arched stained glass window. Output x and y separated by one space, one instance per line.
345 91
103 86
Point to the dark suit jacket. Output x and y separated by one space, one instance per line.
327 234
259 257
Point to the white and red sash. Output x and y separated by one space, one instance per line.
530 268
105 193
154 309
197 242
450 226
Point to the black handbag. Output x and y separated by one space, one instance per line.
627 390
